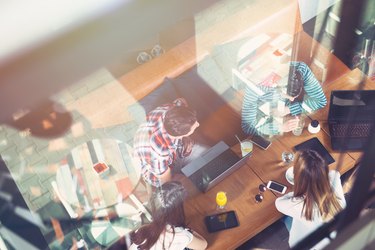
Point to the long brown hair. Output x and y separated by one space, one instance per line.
167 209
312 183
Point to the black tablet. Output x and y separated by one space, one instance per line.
221 221
316 145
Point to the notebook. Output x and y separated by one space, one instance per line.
316 145
213 166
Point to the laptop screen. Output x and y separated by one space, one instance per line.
344 102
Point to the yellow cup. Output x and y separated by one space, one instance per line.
221 199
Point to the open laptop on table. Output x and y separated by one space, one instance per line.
213 166
351 135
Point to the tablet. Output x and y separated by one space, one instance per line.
221 221
316 145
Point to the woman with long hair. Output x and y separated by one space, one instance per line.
317 196
168 229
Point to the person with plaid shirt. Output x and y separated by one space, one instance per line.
163 138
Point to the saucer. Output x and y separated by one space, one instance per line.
289 175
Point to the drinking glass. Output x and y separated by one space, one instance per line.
157 50
221 199
246 147
143 57
287 157
298 130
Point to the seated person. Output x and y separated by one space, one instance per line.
317 197
276 121
168 229
163 140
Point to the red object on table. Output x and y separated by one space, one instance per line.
100 167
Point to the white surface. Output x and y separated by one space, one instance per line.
66 184
289 176
251 46
24 23
310 9
126 210
99 227
140 206
266 108
247 82
67 206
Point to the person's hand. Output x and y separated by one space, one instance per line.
290 98
290 124
188 144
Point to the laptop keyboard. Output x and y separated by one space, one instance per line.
351 130
221 163
214 168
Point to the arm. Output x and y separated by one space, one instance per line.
161 160
314 99
198 242
249 112
165 177
285 205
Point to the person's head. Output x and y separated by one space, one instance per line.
311 181
295 83
166 209
180 121
167 204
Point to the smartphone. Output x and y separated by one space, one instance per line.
277 187
221 221
261 142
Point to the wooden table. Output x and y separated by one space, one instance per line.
264 165
241 188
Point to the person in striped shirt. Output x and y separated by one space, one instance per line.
267 110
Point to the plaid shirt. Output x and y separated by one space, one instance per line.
153 146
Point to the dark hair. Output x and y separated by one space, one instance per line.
179 120
167 209
311 181
295 84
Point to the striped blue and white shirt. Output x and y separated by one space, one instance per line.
254 121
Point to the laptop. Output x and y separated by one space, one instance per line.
213 166
316 145
351 135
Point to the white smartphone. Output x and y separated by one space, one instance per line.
277 187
